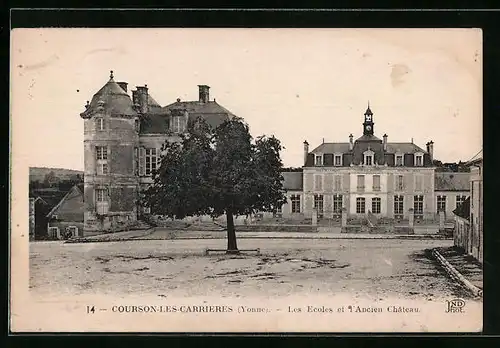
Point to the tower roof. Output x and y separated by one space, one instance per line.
368 110
112 98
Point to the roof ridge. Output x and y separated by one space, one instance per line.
63 199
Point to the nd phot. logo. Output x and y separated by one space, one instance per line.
455 306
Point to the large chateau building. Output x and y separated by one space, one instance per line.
123 136
370 174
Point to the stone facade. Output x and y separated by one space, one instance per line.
123 137
369 175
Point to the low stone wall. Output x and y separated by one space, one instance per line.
276 228
377 229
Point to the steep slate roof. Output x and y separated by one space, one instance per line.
366 143
404 148
391 147
213 113
451 181
157 120
115 101
463 210
78 188
331 148
197 107
292 181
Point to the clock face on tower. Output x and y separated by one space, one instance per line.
368 128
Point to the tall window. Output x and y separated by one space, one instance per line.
419 160
318 182
102 152
137 125
99 124
400 183
318 160
101 195
337 204
151 160
441 203
376 203
459 200
398 206
338 160
399 160
418 205
102 160
376 183
361 182
419 182
337 183
360 205
295 203
318 204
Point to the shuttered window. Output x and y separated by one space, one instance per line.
376 183
142 161
337 183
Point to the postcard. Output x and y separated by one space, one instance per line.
246 180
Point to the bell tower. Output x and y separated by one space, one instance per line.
368 122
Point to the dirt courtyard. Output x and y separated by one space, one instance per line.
373 268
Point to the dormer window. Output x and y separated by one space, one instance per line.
419 160
368 158
318 160
178 124
337 160
399 160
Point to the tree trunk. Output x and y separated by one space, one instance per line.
232 248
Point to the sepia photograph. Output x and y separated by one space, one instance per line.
246 180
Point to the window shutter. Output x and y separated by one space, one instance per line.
95 160
142 161
108 160
135 161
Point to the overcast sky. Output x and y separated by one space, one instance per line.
298 84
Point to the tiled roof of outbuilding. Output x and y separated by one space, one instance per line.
451 181
292 181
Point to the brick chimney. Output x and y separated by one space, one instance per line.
140 99
385 142
306 151
123 85
351 144
204 94
430 149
